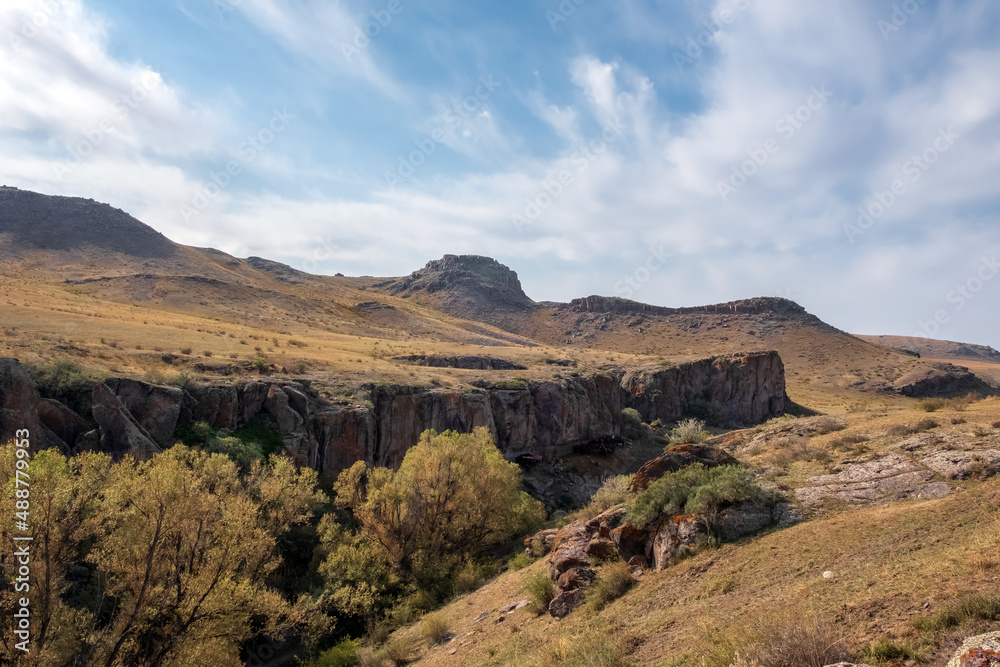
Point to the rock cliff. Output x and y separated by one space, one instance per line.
527 418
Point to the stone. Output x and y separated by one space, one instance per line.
743 519
979 651
121 434
63 422
154 407
577 577
564 603
962 465
673 533
601 548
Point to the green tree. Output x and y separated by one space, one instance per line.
452 498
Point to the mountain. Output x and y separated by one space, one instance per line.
938 349
51 246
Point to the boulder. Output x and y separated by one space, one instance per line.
679 532
564 603
19 401
63 422
979 651
570 549
540 543
675 458
744 519
121 434
601 548
154 407
577 577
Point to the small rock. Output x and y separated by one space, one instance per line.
828 575
482 617
577 577
564 603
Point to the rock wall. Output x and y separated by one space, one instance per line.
543 419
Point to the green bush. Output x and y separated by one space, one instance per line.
614 491
435 628
518 561
541 590
632 426
613 581
688 432
695 490
63 375
884 650
344 654
241 453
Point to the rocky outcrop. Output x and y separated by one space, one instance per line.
675 458
734 389
538 420
755 306
121 434
154 407
941 379
19 401
467 362
979 651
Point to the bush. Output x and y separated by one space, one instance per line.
632 426
613 581
688 432
344 654
241 453
884 650
63 375
787 639
518 561
259 362
969 608
541 590
930 404
614 491
695 490
435 628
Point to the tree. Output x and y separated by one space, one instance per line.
452 497
179 552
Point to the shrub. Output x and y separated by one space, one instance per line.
344 654
787 639
206 353
541 590
259 362
632 426
884 650
689 431
614 491
185 350
695 489
241 453
518 561
930 404
435 628
969 608
63 375
612 582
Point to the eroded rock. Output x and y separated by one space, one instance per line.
979 651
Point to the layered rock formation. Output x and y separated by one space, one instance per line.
527 418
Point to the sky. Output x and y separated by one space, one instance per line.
841 154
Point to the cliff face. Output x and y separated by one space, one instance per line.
547 418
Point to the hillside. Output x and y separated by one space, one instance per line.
84 276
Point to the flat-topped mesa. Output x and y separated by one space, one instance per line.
754 306
470 280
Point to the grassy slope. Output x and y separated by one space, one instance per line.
891 563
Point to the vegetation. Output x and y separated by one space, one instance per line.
541 591
632 426
413 532
171 561
612 582
614 491
695 489
689 431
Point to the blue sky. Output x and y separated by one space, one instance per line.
842 154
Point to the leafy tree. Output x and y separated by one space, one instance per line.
181 550
452 498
